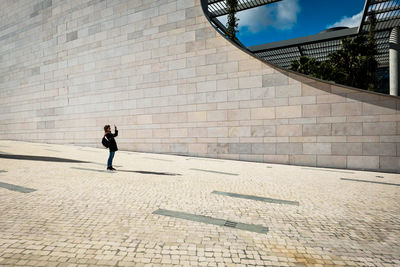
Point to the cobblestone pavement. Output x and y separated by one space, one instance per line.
82 215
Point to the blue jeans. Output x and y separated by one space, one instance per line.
110 159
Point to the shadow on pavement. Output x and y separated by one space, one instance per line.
158 159
39 158
17 188
93 170
102 164
368 181
151 172
141 172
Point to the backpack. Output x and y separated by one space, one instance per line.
105 142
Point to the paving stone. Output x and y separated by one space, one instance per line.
103 218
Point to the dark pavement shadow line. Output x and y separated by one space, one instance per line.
17 188
212 171
93 170
39 158
151 172
367 181
211 220
101 164
141 172
257 198
158 159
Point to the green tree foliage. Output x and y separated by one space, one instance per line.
372 63
306 65
232 24
354 64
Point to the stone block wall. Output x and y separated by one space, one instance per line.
172 84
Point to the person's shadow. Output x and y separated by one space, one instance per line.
141 172
151 172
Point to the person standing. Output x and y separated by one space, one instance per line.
112 144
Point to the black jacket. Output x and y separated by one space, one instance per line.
113 145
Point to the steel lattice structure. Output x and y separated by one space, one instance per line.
217 8
319 46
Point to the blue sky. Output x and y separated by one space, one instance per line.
289 19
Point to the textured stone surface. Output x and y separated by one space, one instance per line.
82 215
172 84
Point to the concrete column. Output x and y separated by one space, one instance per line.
394 45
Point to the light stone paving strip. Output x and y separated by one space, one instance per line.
98 218
264 199
205 219
368 181
17 188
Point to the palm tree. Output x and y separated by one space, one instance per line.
232 23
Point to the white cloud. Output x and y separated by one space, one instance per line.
350 22
281 15
255 19
287 14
